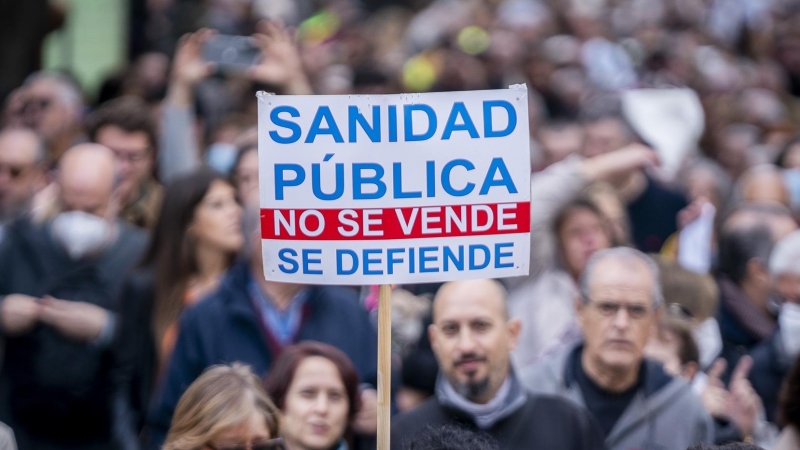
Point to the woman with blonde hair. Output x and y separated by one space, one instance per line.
226 408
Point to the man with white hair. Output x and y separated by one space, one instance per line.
773 358
59 285
635 402
51 104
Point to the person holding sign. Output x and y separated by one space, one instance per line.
251 320
472 338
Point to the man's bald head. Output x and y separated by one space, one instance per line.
764 184
86 174
472 337
491 293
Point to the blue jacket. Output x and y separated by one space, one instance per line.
225 327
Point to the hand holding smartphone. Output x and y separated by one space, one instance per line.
231 54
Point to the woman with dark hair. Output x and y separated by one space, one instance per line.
316 388
789 411
197 237
545 304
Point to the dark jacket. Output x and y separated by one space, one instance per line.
225 327
135 358
770 367
542 422
651 419
737 340
54 390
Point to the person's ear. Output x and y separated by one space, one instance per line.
757 270
433 334
514 328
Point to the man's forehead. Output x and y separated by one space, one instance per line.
469 298
18 146
621 275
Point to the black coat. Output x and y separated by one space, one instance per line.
543 422
135 358
770 368
55 391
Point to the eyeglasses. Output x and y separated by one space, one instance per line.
272 444
611 309
132 157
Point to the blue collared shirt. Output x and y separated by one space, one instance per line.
283 324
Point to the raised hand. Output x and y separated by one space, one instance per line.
745 402
280 64
715 397
619 164
188 66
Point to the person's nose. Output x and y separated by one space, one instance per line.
321 404
622 320
466 341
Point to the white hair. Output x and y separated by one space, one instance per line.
785 258
621 253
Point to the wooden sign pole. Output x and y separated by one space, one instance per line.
384 365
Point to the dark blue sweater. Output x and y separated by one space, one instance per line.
225 327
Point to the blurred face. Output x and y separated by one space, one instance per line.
582 234
20 176
218 219
246 175
134 154
663 347
788 286
792 160
252 432
619 316
86 180
703 183
316 406
767 187
473 338
44 109
603 136
557 144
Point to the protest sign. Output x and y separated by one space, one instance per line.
394 188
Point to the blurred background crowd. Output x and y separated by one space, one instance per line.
130 250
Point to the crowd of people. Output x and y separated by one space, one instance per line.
662 305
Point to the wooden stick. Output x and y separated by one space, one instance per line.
384 365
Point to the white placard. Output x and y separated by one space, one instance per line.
394 188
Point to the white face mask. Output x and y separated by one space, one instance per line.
789 323
81 233
709 341
222 156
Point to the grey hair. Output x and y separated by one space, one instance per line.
785 258
70 93
621 253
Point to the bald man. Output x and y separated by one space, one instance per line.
59 284
764 184
22 172
472 337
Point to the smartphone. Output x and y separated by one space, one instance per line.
231 53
